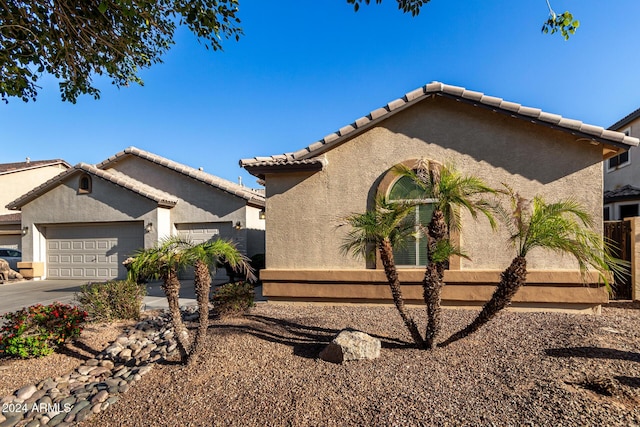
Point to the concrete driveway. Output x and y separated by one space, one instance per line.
14 296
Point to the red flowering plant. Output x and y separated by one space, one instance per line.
38 330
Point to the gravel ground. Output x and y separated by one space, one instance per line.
15 373
522 369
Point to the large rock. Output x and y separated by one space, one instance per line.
7 273
351 345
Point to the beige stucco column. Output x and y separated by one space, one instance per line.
635 258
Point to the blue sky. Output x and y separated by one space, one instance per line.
305 69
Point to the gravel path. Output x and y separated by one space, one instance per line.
522 369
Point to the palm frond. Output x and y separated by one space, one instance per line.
444 249
160 260
387 220
564 227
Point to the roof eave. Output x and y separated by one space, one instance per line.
260 171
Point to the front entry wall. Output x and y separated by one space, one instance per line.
545 290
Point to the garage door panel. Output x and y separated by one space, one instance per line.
204 232
91 251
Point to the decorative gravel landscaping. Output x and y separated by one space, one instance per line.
522 369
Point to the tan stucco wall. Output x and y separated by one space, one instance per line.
106 203
199 202
17 183
545 290
305 210
635 258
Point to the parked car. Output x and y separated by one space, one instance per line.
12 256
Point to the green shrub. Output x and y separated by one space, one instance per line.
108 301
38 330
233 299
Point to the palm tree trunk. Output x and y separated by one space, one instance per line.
386 255
171 288
432 293
434 278
512 279
202 285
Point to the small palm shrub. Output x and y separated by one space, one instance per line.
108 301
258 263
38 330
233 299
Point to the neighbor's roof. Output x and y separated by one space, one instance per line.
32 164
627 192
163 199
252 196
625 120
306 158
11 218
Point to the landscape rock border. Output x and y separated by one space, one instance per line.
94 385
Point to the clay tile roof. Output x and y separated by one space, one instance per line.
124 181
12 217
32 164
623 193
252 196
258 165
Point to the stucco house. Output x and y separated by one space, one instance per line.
622 174
83 223
17 179
311 190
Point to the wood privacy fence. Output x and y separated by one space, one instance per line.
620 235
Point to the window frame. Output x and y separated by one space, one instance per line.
88 189
386 181
420 237
620 165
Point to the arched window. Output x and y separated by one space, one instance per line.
84 186
414 253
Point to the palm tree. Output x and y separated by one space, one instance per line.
163 261
449 191
204 257
563 227
384 227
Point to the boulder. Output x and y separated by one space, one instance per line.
7 273
351 345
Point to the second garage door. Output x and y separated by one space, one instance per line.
91 251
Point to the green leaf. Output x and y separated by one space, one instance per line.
102 8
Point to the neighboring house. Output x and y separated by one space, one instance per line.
622 175
310 191
85 222
17 179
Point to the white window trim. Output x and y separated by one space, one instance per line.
627 132
417 231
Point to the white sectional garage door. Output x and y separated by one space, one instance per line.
91 251
203 232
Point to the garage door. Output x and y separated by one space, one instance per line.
203 232
91 251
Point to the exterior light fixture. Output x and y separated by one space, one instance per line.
263 214
238 225
148 227
25 230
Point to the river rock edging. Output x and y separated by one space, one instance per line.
94 385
